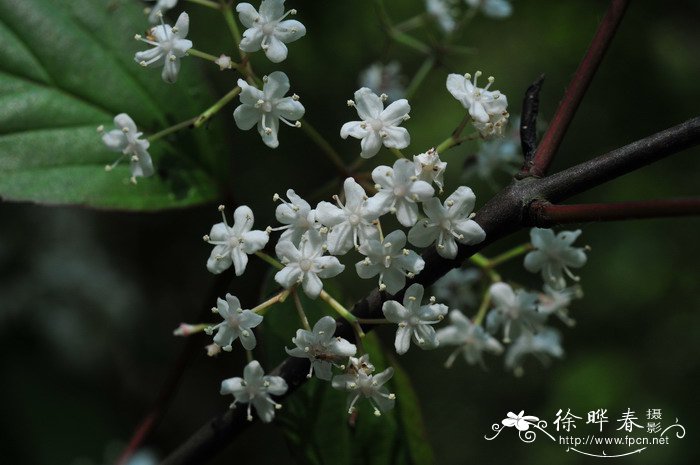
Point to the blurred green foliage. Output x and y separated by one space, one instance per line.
88 299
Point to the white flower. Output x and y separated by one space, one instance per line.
268 107
237 324
398 190
430 168
378 125
448 224
516 311
481 103
556 302
553 255
493 8
384 79
268 29
321 348
349 224
162 7
126 139
224 62
296 215
444 12
255 389
502 154
234 243
390 260
306 264
414 320
471 339
360 381
457 287
169 45
543 345
494 127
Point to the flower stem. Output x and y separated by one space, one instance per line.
510 254
455 138
249 356
268 259
324 145
211 111
411 23
343 312
483 308
398 153
207 3
485 265
171 129
227 11
281 297
206 56
300 311
420 76
374 321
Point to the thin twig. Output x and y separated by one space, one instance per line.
528 119
577 88
545 214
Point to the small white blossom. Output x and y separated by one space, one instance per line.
169 45
360 381
516 311
212 350
349 224
160 8
266 108
457 287
471 340
554 255
500 154
267 29
543 345
390 260
255 389
398 191
378 125
306 264
224 62
492 8
384 79
494 127
414 320
234 243
238 324
448 224
481 103
296 215
321 348
430 168
127 140
556 302
444 12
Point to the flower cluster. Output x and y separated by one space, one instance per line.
446 13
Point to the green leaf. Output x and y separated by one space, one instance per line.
66 68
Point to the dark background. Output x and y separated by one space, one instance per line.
88 299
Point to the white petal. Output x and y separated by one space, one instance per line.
330 266
403 339
183 26
472 232
288 276
240 260
502 294
252 40
415 291
171 68
370 144
247 14
289 30
395 312
272 9
368 104
396 137
275 50
422 235
277 85
395 111
270 139
406 212
246 116
312 285
353 129
328 214
290 109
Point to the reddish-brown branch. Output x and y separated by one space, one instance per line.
544 214
577 88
